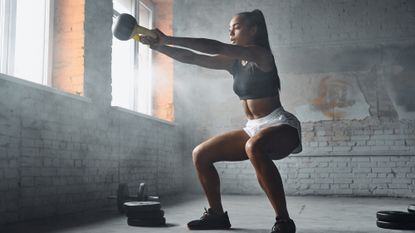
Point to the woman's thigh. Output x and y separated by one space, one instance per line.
229 146
277 141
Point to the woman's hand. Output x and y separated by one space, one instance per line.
161 37
150 41
154 43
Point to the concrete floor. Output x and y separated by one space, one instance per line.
248 214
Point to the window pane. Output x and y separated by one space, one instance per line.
144 65
131 62
122 65
2 35
7 9
31 40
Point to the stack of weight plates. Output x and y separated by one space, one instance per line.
397 220
144 213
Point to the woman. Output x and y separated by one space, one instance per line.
270 133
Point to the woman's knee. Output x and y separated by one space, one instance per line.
199 155
254 147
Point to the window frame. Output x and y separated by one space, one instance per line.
150 6
8 46
7 42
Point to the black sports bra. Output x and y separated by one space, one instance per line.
249 82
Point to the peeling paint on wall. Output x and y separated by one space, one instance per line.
404 87
332 96
399 78
401 90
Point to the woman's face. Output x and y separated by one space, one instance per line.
239 31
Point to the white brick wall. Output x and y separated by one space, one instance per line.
60 161
323 175
364 137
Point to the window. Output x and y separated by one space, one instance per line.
25 39
131 61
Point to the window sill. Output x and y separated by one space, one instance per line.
43 88
72 96
125 110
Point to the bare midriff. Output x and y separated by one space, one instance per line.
257 108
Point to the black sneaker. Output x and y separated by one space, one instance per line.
283 226
210 221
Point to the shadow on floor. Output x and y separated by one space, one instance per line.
64 222
246 230
330 231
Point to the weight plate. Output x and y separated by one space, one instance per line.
395 225
144 214
146 223
142 205
395 216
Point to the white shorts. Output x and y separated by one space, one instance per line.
277 117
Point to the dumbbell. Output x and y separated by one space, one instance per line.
126 27
123 196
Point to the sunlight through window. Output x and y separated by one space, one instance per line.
131 62
25 39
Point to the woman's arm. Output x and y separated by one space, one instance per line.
199 44
261 56
213 62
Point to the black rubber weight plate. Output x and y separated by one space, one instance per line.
142 205
145 215
411 208
146 223
395 225
396 216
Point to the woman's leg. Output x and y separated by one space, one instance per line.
226 147
282 139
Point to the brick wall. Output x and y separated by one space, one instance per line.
366 45
68 46
364 137
63 153
328 175
163 107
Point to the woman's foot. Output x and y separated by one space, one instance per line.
283 226
210 221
